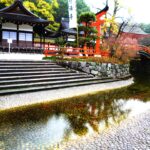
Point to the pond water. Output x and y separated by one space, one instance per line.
43 126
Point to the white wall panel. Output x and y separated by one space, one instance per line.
25 27
10 26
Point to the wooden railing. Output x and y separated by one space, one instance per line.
53 50
144 48
72 52
32 50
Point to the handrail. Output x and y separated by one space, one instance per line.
22 49
145 48
68 51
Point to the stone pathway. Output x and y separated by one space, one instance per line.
20 56
17 100
131 134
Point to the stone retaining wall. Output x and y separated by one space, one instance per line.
99 69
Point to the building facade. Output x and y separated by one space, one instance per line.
19 26
131 36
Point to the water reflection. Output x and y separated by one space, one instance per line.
44 125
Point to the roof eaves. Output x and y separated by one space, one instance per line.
17 3
103 10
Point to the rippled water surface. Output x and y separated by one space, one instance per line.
43 126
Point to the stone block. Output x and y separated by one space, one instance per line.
93 63
74 65
83 64
109 65
94 72
99 68
86 69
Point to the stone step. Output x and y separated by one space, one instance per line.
50 87
26 76
38 84
18 73
26 63
41 76
31 69
28 66
21 81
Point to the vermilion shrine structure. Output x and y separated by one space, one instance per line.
22 26
87 51
99 21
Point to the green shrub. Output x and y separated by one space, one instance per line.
52 58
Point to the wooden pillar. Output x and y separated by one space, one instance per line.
97 24
40 41
33 39
43 44
1 34
44 39
17 35
97 47
48 45
32 35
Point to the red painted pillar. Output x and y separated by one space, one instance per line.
99 21
97 46
98 24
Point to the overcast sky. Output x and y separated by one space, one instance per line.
138 9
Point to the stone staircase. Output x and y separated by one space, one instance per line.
27 76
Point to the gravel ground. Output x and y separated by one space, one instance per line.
131 134
16 100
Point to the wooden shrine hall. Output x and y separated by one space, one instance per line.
20 26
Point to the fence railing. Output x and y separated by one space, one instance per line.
144 48
54 51
32 50
72 52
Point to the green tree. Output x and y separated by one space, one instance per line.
145 27
4 3
62 11
85 27
82 7
2 6
61 43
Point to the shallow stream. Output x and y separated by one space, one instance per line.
44 126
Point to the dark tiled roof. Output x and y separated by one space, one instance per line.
23 18
103 10
134 29
65 24
17 12
17 5
70 31
65 27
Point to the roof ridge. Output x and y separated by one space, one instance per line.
17 3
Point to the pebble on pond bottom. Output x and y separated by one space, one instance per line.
131 134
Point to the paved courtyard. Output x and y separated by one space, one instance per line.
20 56
131 134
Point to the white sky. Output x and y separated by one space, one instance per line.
138 9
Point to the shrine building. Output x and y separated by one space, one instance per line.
21 26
